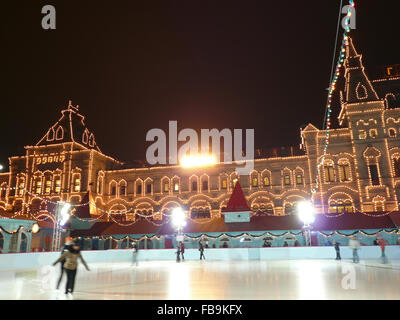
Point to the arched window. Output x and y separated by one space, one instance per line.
329 172
392 132
77 183
204 183
59 133
224 183
38 185
113 188
344 171
57 184
122 190
47 185
148 187
266 181
286 180
299 179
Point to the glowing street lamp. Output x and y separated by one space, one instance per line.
178 221
64 213
306 213
1 167
61 218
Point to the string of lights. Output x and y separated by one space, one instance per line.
331 89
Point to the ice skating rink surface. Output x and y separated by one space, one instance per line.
242 280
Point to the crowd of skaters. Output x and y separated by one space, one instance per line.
70 253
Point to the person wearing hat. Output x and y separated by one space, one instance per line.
71 265
66 247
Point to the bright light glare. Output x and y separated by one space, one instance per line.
64 213
178 217
1 167
197 161
35 228
306 212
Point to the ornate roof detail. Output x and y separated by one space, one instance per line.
70 128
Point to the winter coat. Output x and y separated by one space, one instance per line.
71 260
354 244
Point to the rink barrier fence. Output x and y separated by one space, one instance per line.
38 259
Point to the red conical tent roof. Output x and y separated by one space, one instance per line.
237 201
83 212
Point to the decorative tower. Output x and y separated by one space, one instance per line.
237 209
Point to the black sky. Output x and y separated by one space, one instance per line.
134 65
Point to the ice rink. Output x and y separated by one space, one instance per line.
290 279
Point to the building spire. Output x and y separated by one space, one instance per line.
358 87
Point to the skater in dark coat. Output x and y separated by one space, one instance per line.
182 247
71 265
67 246
201 249
337 249
178 253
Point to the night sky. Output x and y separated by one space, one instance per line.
133 65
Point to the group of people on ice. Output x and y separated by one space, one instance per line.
181 250
355 245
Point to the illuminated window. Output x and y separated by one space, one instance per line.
329 174
348 207
148 188
396 163
58 185
344 171
299 179
194 185
373 171
176 186
392 132
139 189
47 187
234 182
255 182
166 187
286 180
77 185
266 181
362 134
224 184
204 185
373 133
38 186
21 187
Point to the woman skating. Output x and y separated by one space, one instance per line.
71 265
66 247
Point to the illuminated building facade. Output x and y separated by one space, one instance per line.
361 170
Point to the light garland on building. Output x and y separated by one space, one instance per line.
332 88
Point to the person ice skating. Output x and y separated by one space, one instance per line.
66 247
382 243
71 265
355 245
178 253
135 252
182 247
337 249
201 249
